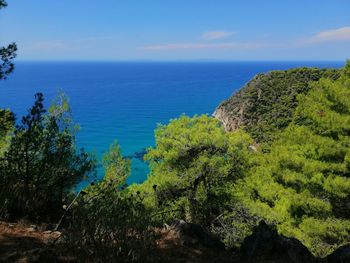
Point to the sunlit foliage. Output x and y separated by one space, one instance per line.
193 167
303 184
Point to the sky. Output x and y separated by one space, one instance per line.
176 30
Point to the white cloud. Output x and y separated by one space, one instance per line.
207 36
213 35
339 34
198 46
47 46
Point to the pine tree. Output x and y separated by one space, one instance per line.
303 184
41 164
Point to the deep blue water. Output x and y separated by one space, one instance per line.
124 101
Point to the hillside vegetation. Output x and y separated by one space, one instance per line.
267 102
303 185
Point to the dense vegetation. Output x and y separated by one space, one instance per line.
41 164
193 168
303 184
299 181
266 104
107 218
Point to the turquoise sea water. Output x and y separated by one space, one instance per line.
124 101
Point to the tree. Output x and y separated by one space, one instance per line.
7 54
193 166
3 4
7 118
41 165
303 184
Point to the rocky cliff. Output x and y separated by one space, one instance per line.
266 103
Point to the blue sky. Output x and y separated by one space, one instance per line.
178 29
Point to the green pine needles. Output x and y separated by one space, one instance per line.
303 184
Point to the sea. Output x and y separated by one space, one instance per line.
125 101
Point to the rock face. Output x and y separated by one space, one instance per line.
266 245
341 255
267 102
230 122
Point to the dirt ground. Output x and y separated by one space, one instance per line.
28 243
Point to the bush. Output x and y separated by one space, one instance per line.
234 225
108 219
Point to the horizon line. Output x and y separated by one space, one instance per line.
181 60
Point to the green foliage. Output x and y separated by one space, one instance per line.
41 164
267 103
7 120
117 169
193 166
7 54
234 225
303 184
108 219
3 4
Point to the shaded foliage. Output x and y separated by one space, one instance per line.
7 54
3 4
7 120
110 220
41 164
234 225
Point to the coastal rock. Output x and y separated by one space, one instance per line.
341 255
231 123
267 102
266 245
252 148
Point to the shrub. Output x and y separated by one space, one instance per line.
110 220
